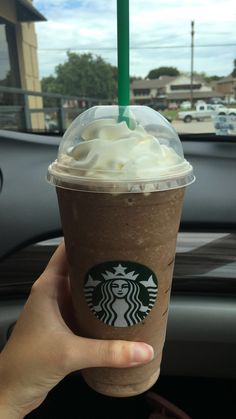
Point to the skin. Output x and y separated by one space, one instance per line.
43 348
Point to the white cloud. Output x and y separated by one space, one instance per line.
90 25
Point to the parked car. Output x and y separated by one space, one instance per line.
231 101
173 105
50 124
185 105
200 102
204 112
216 101
158 106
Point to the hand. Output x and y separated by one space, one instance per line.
43 349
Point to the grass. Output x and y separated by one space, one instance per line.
171 113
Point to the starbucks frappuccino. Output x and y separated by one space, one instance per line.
120 185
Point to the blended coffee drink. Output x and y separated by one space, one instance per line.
120 178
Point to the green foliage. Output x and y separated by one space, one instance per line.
162 71
50 84
233 74
208 79
83 75
205 77
133 78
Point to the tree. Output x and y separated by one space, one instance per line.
162 71
209 79
49 84
83 75
233 74
133 78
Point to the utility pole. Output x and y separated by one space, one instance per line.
192 55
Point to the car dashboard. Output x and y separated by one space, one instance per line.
199 353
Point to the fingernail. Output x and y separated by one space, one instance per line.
142 352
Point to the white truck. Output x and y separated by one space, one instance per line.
204 111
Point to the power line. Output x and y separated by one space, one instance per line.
137 48
214 33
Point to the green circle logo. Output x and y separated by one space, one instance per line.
120 293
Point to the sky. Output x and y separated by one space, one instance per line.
160 33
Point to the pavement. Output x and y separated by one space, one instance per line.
194 127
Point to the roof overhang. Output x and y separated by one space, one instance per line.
196 95
26 12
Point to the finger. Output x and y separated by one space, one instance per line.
58 263
86 353
54 278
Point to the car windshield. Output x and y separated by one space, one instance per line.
182 62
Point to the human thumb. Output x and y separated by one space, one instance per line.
86 353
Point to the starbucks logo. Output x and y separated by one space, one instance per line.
120 293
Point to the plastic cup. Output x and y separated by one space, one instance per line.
120 188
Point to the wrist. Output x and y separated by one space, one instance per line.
8 408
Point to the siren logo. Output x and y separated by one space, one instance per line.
120 293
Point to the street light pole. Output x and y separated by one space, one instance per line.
192 55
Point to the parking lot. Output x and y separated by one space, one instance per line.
193 127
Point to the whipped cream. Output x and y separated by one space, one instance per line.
113 151
140 153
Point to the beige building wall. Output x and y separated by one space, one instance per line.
28 61
29 72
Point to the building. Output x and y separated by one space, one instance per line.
18 54
227 87
147 91
170 89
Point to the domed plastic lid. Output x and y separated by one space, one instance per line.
120 149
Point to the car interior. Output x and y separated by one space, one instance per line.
198 370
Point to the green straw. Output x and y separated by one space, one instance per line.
123 53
